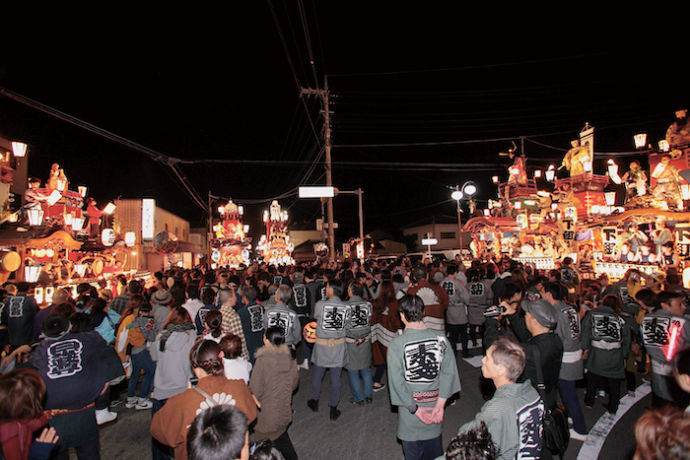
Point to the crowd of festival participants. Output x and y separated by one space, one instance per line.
215 356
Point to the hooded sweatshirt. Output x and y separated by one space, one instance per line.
274 378
173 370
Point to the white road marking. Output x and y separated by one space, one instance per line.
597 435
475 361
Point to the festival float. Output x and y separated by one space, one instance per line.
571 211
275 246
230 246
53 242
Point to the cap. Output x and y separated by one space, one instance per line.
542 311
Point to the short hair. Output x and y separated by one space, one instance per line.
249 292
556 274
298 277
336 286
554 289
177 315
284 293
192 291
681 362
411 307
65 309
452 269
356 288
510 289
219 432
612 301
205 354
667 297
134 287
225 294
662 433
21 395
208 295
475 444
509 354
231 345
275 335
646 296
272 289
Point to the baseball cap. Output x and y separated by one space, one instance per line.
543 312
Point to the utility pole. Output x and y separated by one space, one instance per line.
329 176
324 95
210 232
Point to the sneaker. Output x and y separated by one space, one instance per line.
144 404
105 416
379 386
131 401
313 405
304 365
357 403
570 422
577 436
368 400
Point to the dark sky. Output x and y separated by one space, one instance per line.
207 84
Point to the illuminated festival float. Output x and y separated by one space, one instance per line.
59 238
607 223
230 245
275 245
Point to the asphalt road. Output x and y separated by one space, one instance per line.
368 432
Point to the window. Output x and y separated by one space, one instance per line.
447 235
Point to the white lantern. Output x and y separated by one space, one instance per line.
610 198
108 237
19 149
537 174
130 239
61 183
494 179
246 229
67 217
640 140
240 209
38 295
221 210
35 216
663 145
550 173
54 197
31 273
49 291
82 191
80 269
77 223
109 208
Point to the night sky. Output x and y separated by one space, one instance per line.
195 85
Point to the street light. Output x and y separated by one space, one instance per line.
468 189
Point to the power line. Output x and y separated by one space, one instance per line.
474 67
152 154
307 39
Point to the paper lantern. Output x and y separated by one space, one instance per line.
108 237
80 269
309 332
77 223
82 191
35 216
109 208
19 149
31 273
640 140
130 239
38 295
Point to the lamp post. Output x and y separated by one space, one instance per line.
468 189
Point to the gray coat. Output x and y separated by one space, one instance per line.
570 330
358 339
332 320
458 299
279 315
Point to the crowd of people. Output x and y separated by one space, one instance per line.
215 356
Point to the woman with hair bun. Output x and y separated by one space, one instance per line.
170 424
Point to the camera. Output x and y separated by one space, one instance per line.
493 312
